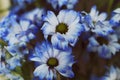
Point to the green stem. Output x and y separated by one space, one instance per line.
110 6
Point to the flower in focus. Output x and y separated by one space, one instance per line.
106 46
64 28
52 61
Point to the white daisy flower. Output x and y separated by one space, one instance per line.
52 61
64 28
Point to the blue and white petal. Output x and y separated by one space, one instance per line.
43 53
70 21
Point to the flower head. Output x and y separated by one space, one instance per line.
105 46
52 61
96 22
19 30
112 74
64 28
115 20
59 3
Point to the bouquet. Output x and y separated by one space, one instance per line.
54 40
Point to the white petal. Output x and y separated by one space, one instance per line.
61 16
51 18
24 24
70 17
102 16
117 10
41 71
48 29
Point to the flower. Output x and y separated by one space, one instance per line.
96 22
105 46
59 3
2 60
21 31
34 15
115 20
51 60
22 2
64 28
113 74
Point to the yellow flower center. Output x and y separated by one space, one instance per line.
52 62
62 28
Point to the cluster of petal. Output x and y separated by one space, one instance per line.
104 50
68 17
113 74
35 15
22 2
115 20
96 22
18 31
59 3
45 51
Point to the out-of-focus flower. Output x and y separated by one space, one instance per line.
52 61
18 31
36 16
115 20
105 46
64 28
113 74
96 22
59 3
22 2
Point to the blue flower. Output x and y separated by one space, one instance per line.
5 24
51 61
59 3
96 22
22 2
113 74
115 20
21 31
35 16
105 46
2 61
64 28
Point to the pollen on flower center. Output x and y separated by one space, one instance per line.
62 28
102 40
52 62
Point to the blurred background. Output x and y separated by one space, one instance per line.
82 5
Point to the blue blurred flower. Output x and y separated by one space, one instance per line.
59 3
22 2
105 46
115 20
113 74
52 61
64 28
96 22
19 31
16 56
2 61
36 16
